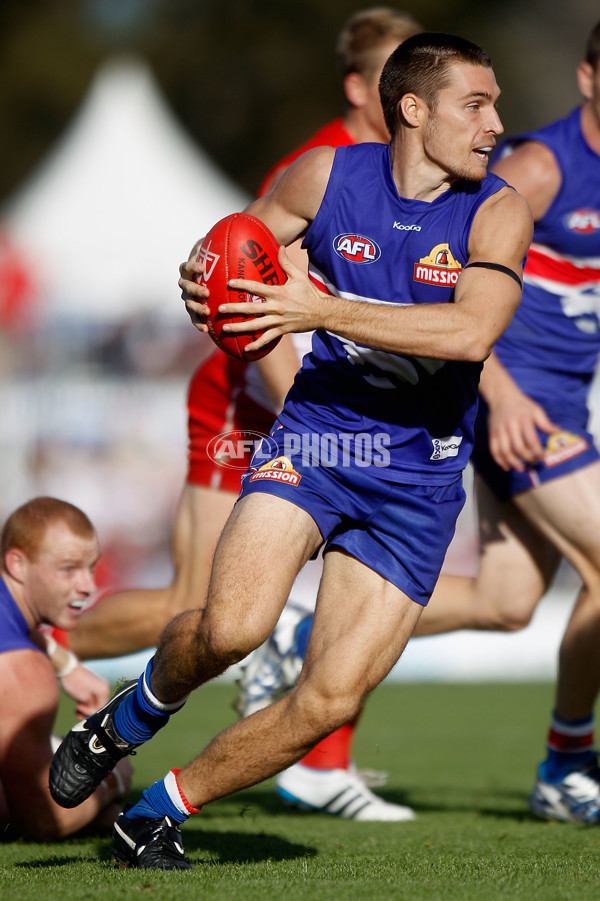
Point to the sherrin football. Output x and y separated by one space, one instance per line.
238 246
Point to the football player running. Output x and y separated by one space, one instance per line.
398 350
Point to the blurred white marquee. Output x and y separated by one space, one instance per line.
117 204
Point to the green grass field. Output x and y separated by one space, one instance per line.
462 755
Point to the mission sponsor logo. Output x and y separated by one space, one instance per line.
439 267
278 470
562 446
356 248
583 222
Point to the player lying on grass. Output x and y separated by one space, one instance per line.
48 551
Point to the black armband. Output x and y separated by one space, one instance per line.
499 268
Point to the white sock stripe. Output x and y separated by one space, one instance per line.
566 729
160 705
174 794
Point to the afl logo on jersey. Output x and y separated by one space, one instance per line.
356 248
583 222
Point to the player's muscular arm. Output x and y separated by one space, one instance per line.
294 201
532 169
287 211
485 299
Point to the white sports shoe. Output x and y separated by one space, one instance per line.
338 792
371 778
575 800
271 670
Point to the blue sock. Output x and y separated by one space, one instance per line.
163 798
302 634
570 747
141 715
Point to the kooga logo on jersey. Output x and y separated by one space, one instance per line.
356 248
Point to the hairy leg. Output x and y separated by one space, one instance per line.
133 619
361 627
516 566
265 542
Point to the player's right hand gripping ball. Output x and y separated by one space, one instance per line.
238 246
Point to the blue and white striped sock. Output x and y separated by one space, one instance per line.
141 714
163 798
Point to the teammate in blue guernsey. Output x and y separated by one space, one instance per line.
538 487
416 258
48 551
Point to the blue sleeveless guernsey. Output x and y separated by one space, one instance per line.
15 633
551 346
370 245
557 326
372 444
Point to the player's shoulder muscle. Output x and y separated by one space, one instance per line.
504 221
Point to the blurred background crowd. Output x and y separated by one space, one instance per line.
129 127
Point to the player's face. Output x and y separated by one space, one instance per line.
58 582
373 108
460 133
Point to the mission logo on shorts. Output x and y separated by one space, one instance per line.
278 470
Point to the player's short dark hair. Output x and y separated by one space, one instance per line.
420 66
26 526
592 49
365 32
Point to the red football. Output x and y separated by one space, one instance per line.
238 246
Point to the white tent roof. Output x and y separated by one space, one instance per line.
118 204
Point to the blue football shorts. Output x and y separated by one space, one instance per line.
400 531
567 450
